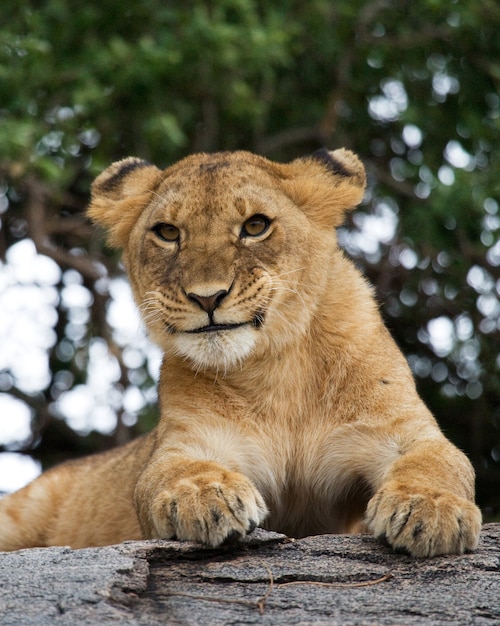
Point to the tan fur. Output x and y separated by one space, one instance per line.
301 416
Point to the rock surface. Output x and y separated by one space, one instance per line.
266 579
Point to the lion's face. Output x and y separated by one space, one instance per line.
217 262
226 253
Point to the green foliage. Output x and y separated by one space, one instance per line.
412 87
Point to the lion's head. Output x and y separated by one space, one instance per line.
227 253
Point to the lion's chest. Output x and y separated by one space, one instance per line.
307 480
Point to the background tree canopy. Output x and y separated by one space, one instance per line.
412 87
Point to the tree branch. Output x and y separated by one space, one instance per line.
41 229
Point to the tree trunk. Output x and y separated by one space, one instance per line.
265 579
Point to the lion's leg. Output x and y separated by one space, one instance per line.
27 515
425 502
178 496
420 487
87 502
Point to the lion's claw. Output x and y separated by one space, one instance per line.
424 522
213 508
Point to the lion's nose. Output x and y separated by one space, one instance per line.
208 303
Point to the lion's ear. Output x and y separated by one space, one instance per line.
119 195
326 184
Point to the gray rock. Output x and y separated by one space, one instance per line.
266 579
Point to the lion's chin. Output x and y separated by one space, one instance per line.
220 350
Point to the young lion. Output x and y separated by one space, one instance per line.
284 401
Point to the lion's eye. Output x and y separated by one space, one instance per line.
166 232
255 226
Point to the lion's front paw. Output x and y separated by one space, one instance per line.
211 507
423 521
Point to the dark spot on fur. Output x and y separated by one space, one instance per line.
324 156
236 506
232 537
258 320
173 511
129 166
252 525
239 502
213 166
418 529
216 515
401 550
403 523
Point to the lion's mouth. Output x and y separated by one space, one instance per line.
213 328
256 322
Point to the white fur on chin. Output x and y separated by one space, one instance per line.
220 350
